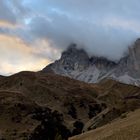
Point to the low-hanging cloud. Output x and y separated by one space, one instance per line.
102 40
104 28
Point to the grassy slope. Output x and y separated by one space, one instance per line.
34 89
15 120
62 94
120 129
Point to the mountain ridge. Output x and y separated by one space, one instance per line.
76 63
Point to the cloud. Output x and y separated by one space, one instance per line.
104 28
110 39
13 11
40 30
6 13
16 56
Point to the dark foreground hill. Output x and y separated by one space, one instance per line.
37 106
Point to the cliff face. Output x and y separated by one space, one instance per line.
128 69
76 63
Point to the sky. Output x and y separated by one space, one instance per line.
33 33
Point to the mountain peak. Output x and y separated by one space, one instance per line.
74 58
72 46
73 52
76 63
137 42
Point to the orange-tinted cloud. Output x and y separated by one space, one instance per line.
9 25
17 56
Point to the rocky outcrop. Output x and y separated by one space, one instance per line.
76 63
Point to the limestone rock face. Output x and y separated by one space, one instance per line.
73 59
76 63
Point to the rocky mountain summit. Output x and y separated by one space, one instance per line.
75 63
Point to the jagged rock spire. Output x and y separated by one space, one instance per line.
76 64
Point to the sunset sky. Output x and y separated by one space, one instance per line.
33 33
